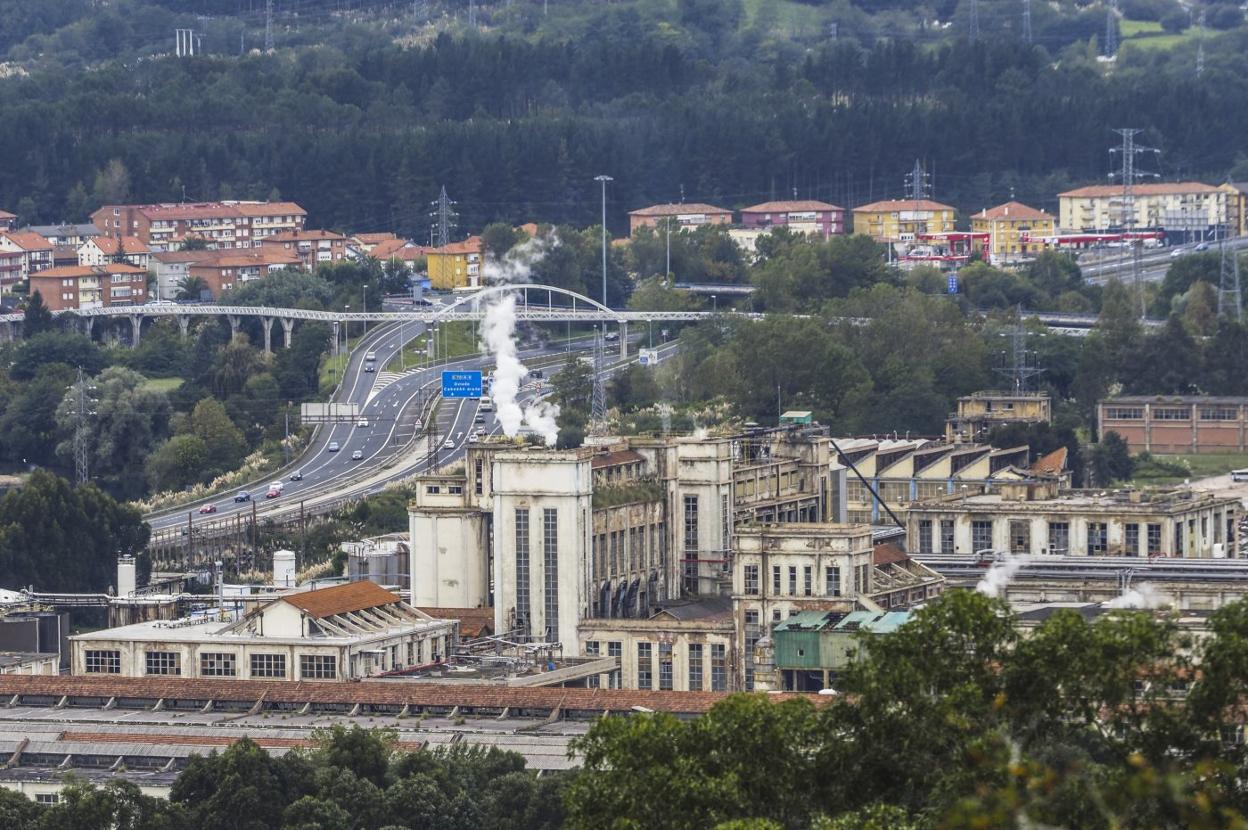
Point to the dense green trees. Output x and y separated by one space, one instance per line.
954 722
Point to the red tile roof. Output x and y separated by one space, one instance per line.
473 622
229 258
678 210
800 206
397 249
611 459
111 245
341 599
268 208
27 240
1157 189
4 214
1012 210
471 245
88 270
887 553
299 236
373 238
889 205
1052 464
366 692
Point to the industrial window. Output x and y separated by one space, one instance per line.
751 579
808 580
47 798
751 619
1059 538
1218 413
1154 539
477 472
455 489
591 648
1167 414
274 665
318 666
1097 538
725 522
691 524
832 581
792 580
695 667
550 570
645 666
615 552
433 489
1020 536
522 570
775 580
981 535
925 536
1178 538
1119 413
719 668
163 662
218 664
102 662
864 579
946 536
665 667
1131 539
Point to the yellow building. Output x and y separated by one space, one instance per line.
1236 207
1171 206
899 220
1006 224
457 265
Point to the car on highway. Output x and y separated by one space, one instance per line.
242 495
1177 252
363 422
1203 246
1239 475
370 367
333 446
480 419
371 355
272 494
297 475
357 455
449 444
207 508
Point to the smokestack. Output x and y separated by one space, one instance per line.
127 579
284 569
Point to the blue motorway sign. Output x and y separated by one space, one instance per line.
953 283
461 384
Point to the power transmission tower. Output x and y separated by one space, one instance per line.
1027 21
1128 176
472 14
184 43
443 219
1022 365
1111 28
268 25
918 188
85 408
1230 300
974 19
1200 46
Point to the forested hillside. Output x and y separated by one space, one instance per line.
515 126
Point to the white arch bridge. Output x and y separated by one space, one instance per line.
534 303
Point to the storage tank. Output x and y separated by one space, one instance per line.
284 569
127 577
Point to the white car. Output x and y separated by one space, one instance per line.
363 422
357 455
448 444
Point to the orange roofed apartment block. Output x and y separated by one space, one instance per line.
901 220
457 265
231 224
77 287
1014 230
679 217
312 247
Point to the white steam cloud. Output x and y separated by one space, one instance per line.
999 575
1144 596
498 337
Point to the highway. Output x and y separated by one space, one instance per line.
1102 265
389 405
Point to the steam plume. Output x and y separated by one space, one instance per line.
999 576
1144 596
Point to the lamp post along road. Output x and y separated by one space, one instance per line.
604 179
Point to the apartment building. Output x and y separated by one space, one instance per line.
22 253
312 247
800 216
1029 520
1176 424
677 217
1176 207
78 287
457 265
226 224
68 234
230 269
101 250
399 250
1014 230
346 632
901 220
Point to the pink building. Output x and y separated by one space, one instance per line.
804 216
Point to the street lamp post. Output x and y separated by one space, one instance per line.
667 273
604 179
715 304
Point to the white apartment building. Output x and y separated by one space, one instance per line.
1176 207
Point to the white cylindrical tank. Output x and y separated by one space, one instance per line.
127 578
1219 550
284 569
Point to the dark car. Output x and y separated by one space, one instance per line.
297 475
242 496
369 367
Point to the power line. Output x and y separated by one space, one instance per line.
1129 175
1230 300
1027 21
268 25
82 438
1111 28
444 219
